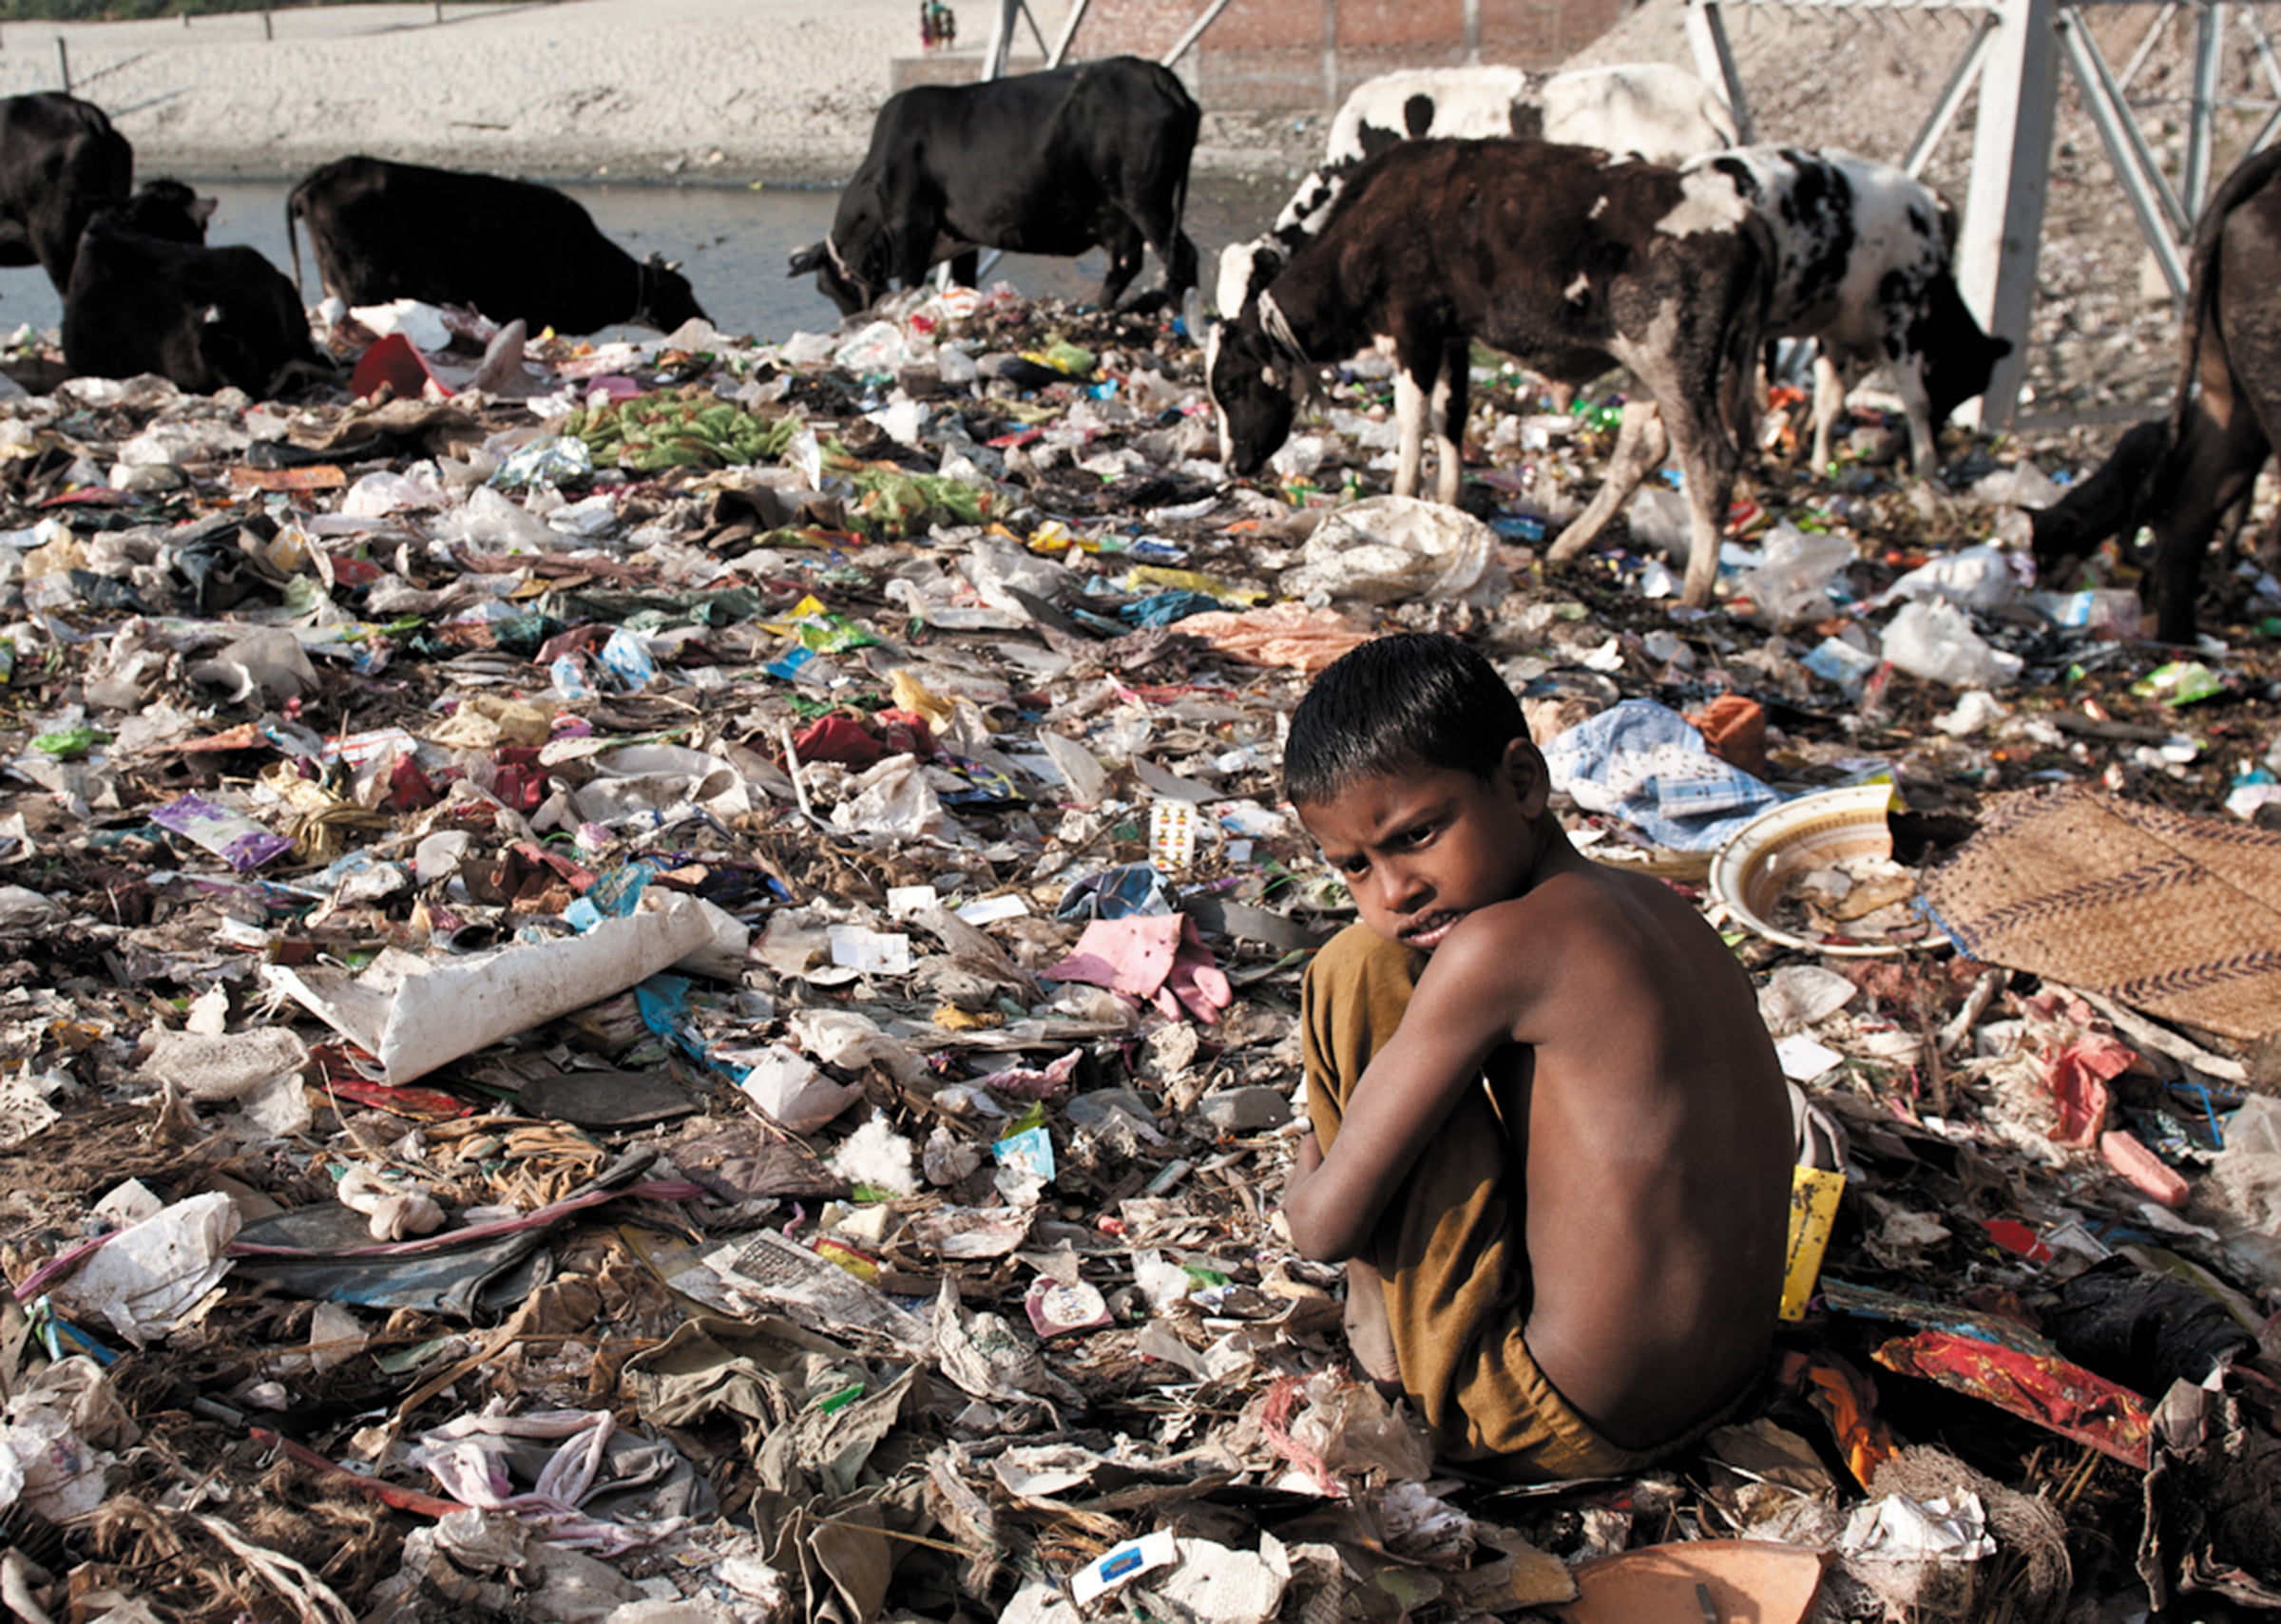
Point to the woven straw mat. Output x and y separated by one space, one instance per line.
2176 915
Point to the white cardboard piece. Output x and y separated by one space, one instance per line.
413 1014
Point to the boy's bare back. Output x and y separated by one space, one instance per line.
1659 1143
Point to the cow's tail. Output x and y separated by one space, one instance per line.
293 240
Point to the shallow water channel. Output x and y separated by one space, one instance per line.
731 242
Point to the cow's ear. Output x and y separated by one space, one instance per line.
807 259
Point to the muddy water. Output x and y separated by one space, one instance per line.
733 245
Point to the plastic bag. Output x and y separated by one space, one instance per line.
1935 641
1791 583
1388 548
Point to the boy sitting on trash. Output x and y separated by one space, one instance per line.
1554 1142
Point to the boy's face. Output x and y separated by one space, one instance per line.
1422 849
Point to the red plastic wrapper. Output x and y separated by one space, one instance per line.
837 738
2039 1387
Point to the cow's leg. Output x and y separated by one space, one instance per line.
966 268
2214 466
1180 266
1411 405
1828 404
1916 405
1447 413
1687 391
1708 460
1123 240
1640 447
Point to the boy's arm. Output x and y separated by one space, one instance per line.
1468 1003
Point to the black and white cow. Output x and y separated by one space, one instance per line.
511 249
1565 258
1640 109
2181 474
59 160
1862 267
147 296
1053 162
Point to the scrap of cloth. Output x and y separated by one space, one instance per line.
2173 914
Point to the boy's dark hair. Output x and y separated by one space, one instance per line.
1413 699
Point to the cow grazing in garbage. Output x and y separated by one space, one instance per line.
1053 162
2180 475
147 296
1862 255
511 249
1567 260
59 160
1640 109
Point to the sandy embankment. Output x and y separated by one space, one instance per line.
737 90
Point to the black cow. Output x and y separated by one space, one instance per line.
1054 162
1566 260
2181 474
511 249
59 160
147 296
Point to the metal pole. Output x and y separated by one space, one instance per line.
2264 51
1195 32
1715 61
268 29
2112 119
1330 53
2209 55
1473 34
1035 32
1069 34
2003 209
1001 39
63 57
2146 45
1952 97
2084 46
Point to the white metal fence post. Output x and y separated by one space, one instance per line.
2003 209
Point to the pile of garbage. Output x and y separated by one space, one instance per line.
658 982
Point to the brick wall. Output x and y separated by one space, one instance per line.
1305 54
1309 53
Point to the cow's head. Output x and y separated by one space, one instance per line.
667 300
1959 355
1254 386
836 279
165 209
1245 268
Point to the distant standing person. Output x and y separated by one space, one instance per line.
938 25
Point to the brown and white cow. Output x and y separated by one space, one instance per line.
1637 109
1569 261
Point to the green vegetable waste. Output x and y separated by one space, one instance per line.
669 430
891 505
